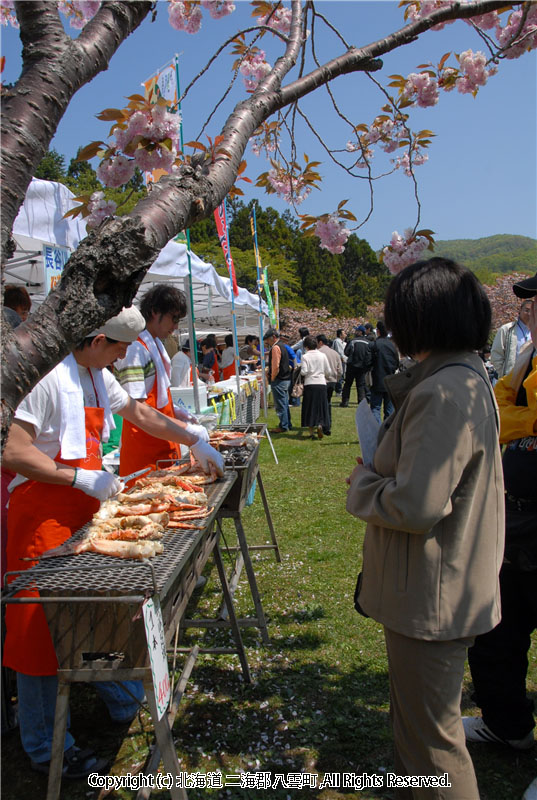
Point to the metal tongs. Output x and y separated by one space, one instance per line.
127 478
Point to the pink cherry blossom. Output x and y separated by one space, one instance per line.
159 158
419 10
474 71
527 37
486 22
115 171
421 88
332 233
183 21
403 250
79 11
279 21
99 209
218 8
7 13
292 189
254 68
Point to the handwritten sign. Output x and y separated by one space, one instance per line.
54 260
156 644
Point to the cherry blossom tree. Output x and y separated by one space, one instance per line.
106 270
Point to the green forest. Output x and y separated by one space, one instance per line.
308 277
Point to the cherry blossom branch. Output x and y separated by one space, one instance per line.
258 28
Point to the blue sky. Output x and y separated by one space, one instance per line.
480 179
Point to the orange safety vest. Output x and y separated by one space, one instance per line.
138 449
42 516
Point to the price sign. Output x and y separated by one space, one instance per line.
156 644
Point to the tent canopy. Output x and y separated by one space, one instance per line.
41 221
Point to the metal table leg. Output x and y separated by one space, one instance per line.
58 738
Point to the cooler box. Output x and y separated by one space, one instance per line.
184 397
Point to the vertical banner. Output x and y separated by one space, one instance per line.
163 84
221 227
272 315
277 303
54 260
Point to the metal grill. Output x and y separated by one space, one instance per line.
244 462
92 601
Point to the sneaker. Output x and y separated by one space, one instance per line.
475 730
77 764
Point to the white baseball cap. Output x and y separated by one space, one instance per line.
124 327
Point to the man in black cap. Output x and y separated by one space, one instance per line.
512 336
499 659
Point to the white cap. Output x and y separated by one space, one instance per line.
124 327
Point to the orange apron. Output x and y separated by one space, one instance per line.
228 372
138 449
42 516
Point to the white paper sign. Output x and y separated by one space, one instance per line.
156 644
367 428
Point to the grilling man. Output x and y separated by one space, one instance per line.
54 446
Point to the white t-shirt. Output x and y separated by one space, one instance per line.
181 370
42 409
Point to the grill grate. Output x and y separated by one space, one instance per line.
93 574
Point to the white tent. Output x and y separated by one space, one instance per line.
41 221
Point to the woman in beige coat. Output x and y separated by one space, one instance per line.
434 507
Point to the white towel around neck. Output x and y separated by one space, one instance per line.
73 423
163 366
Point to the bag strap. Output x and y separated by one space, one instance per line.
483 378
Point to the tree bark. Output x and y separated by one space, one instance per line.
105 272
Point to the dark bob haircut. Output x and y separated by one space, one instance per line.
163 299
310 343
437 305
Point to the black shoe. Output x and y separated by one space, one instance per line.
327 433
77 764
343 405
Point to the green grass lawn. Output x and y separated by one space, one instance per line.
319 699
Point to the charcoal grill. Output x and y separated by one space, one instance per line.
93 604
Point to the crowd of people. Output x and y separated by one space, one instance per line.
322 368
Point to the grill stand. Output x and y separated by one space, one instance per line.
233 511
164 748
93 622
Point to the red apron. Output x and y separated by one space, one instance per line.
138 449
42 516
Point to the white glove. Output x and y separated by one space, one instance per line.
97 483
198 430
207 456
184 415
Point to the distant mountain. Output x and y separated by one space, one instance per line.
492 254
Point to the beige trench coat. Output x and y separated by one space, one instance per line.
434 504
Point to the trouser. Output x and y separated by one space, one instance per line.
499 659
330 389
353 374
280 393
37 707
376 401
425 694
